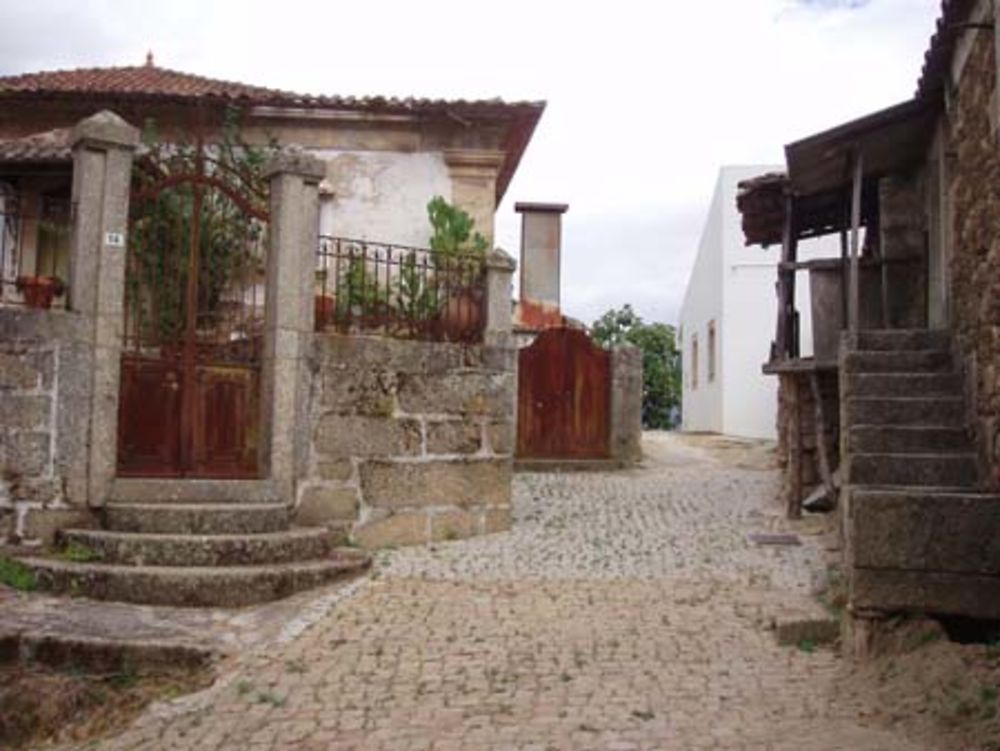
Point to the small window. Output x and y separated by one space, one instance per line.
711 351
694 361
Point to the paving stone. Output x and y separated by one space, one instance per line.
621 610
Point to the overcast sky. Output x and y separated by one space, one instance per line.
646 100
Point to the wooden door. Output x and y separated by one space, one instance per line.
149 417
564 397
194 320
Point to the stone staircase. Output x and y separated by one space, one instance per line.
919 535
195 543
904 413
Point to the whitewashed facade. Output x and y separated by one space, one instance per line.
727 320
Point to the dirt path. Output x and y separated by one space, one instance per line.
623 611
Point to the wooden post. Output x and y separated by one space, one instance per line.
853 302
787 333
821 448
794 510
844 276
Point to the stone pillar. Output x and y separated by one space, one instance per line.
474 185
103 146
499 293
541 259
291 268
626 404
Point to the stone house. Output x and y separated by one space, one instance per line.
352 384
897 411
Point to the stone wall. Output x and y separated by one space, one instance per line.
974 187
410 441
903 238
44 408
798 457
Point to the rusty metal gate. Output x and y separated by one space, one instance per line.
563 397
194 317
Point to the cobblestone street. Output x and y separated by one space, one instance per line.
623 611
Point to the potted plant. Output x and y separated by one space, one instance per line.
458 257
38 291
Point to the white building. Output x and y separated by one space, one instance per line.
727 320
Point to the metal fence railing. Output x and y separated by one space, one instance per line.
413 293
34 252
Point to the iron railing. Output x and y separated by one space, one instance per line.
399 291
34 251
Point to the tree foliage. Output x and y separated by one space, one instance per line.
661 361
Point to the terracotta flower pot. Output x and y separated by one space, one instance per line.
461 318
38 291
324 307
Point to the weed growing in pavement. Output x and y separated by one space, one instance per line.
269 697
79 553
16 575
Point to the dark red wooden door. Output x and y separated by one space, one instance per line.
149 417
564 397
194 313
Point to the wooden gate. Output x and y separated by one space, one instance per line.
564 397
194 317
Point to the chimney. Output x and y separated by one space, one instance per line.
541 248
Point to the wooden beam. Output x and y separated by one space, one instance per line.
853 302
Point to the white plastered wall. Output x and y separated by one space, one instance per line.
734 285
382 196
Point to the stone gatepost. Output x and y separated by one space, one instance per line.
103 147
500 269
626 404
291 269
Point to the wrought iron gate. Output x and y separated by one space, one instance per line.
194 316
563 397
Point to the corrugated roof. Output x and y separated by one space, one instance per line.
51 146
155 82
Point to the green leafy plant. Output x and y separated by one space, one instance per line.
16 575
453 230
79 553
218 186
661 361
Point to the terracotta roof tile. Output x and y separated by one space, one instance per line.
149 81
48 146
942 46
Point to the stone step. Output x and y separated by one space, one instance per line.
920 411
898 361
171 490
136 549
883 439
897 339
903 384
924 470
894 529
193 586
197 519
